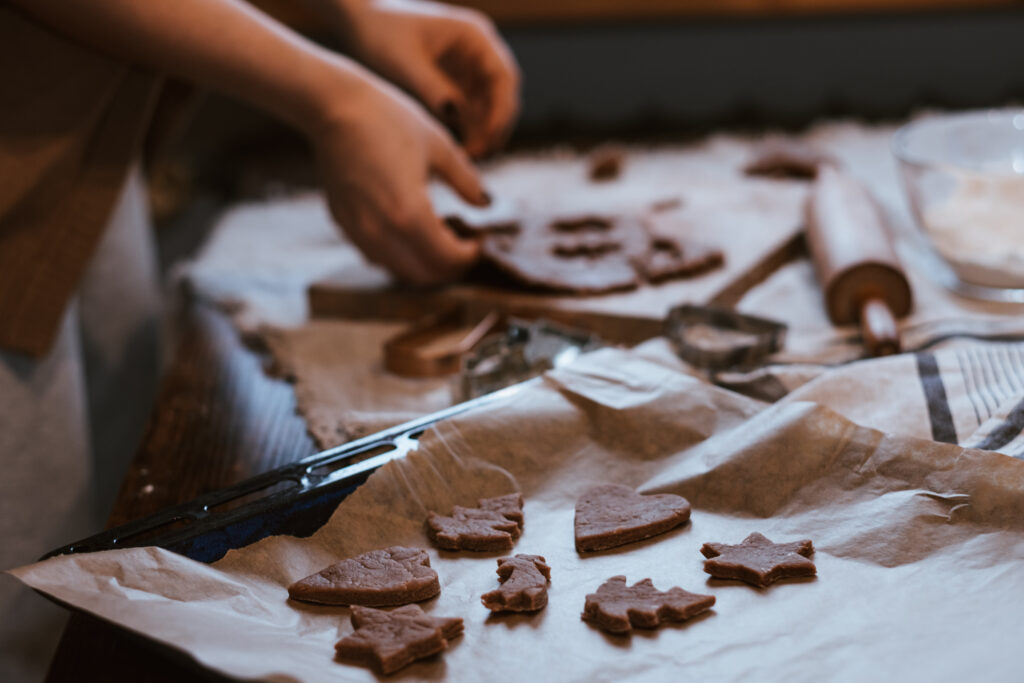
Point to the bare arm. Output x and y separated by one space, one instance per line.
225 45
451 58
376 147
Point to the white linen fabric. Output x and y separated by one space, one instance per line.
70 422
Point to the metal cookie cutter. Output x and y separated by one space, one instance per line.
525 349
719 339
435 345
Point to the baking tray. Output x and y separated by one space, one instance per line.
296 499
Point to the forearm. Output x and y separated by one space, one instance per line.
225 45
337 16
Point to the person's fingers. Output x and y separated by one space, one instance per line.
495 91
444 254
503 94
455 168
395 255
439 93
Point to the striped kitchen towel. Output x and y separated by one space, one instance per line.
969 393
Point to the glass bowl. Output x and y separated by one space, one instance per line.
964 178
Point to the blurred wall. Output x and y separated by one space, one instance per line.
779 71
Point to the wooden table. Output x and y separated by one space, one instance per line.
219 419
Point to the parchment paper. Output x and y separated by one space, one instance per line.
920 546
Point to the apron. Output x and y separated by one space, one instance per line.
78 308
71 120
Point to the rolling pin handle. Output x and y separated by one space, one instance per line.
878 325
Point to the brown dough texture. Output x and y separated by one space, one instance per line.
787 159
617 608
392 576
524 585
611 515
581 254
494 526
388 640
758 561
667 259
585 253
605 163
510 507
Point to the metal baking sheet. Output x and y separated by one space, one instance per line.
295 499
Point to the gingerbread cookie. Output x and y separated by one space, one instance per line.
758 561
611 515
392 576
789 159
509 506
524 585
494 526
388 640
616 607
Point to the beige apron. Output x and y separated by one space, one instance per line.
78 308
70 122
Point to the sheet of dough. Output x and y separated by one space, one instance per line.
920 546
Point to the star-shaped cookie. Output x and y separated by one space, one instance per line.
391 639
611 515
616 607
758 561
524 585
392 576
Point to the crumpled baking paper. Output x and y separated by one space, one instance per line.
920 546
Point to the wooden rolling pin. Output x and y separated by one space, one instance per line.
856 263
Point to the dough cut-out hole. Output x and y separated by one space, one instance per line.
666 246
467 231
585 249
584 224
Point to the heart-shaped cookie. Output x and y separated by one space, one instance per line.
611 515
392 576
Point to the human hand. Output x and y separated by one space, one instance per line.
375 154
451 58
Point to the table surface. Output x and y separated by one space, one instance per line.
219 419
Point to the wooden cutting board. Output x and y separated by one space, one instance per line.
757 223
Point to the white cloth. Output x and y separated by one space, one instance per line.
70 421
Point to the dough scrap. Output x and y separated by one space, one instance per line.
787 159
605 163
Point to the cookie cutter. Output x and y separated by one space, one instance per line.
713 338
489 348
525 350
435 345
